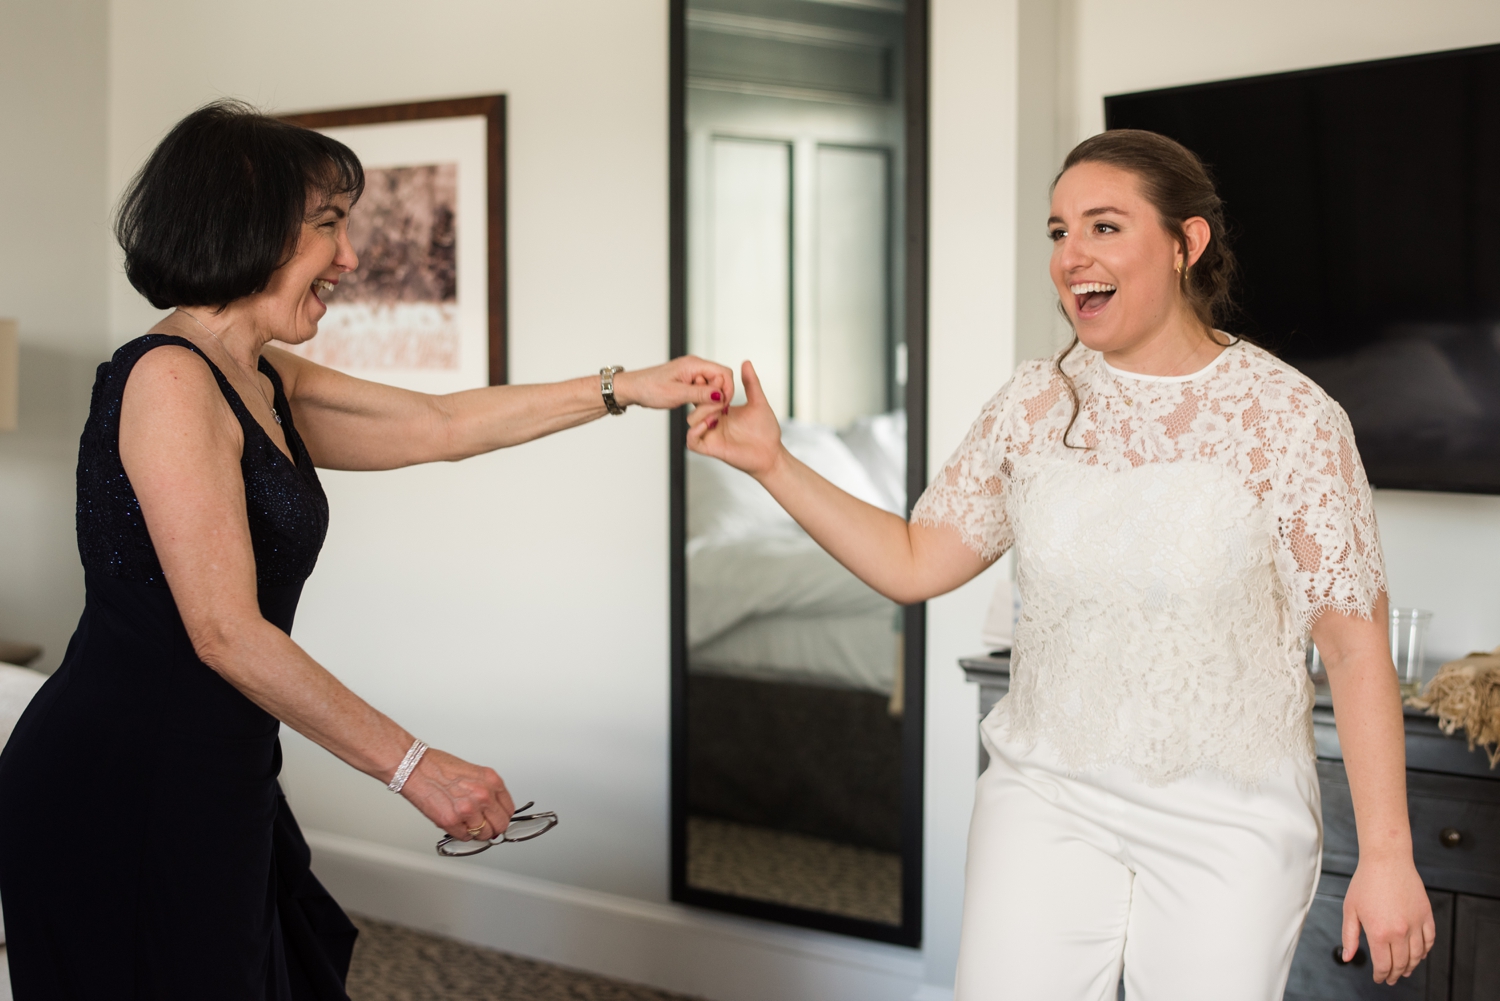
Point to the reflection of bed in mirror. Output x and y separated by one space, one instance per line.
801 232
793 663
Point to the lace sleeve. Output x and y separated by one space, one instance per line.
968 493
1327 544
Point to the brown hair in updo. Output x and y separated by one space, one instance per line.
1179 187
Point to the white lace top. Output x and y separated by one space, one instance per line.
1169 569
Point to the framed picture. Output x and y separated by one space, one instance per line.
425 310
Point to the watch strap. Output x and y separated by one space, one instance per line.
607 387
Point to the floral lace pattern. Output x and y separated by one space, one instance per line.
1170 568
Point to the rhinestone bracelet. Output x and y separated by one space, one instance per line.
407 766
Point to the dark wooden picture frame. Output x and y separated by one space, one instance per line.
492 107
915 277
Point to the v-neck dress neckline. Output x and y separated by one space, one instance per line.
279 404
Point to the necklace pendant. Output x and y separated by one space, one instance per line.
276 416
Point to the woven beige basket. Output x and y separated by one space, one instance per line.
1466 693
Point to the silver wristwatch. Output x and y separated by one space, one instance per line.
607 387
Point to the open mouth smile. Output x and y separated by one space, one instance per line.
322 285
1090 298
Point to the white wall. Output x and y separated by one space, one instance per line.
1044 134
53 237
1438 546
973 172
1123 47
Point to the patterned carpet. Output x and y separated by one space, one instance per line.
398 964
794 869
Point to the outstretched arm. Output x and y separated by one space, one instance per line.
906 563
1386 895
350 423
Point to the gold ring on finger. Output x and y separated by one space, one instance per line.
475 831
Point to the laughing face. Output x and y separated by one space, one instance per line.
290 303
1113 263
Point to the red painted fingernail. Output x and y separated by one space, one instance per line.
716 396
713 424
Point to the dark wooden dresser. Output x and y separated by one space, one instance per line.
1454 800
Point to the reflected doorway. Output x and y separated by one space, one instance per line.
799 244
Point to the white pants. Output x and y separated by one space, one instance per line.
1197 888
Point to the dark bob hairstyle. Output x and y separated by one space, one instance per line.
219 205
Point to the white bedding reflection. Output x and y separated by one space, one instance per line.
764 601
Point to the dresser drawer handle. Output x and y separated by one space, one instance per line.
1357 960
1451 837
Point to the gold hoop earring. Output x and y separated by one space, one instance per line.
1179 267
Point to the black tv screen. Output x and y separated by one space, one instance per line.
1363 202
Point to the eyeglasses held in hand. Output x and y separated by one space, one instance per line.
523 826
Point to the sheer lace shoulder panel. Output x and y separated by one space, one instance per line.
1328 552
970 492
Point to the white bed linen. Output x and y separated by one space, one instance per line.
734 581
764 600
854 651
878 443
17 686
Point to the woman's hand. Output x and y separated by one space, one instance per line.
459 797
1386 897
747 437
679 381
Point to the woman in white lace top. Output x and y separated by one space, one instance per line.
1184 509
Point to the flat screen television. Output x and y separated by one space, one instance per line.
1363 202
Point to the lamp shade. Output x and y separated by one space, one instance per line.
10 375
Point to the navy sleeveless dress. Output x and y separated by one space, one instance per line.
146 851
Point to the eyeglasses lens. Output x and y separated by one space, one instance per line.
521 828
529 827
458 849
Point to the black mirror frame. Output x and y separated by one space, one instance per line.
909 931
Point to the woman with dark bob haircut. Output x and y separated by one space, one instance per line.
154 746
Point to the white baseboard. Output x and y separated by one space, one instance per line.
667 946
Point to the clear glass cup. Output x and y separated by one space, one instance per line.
1315 664
1409 646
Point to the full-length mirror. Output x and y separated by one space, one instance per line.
799 143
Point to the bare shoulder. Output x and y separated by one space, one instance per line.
294 369
305 381
172 386
171 371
